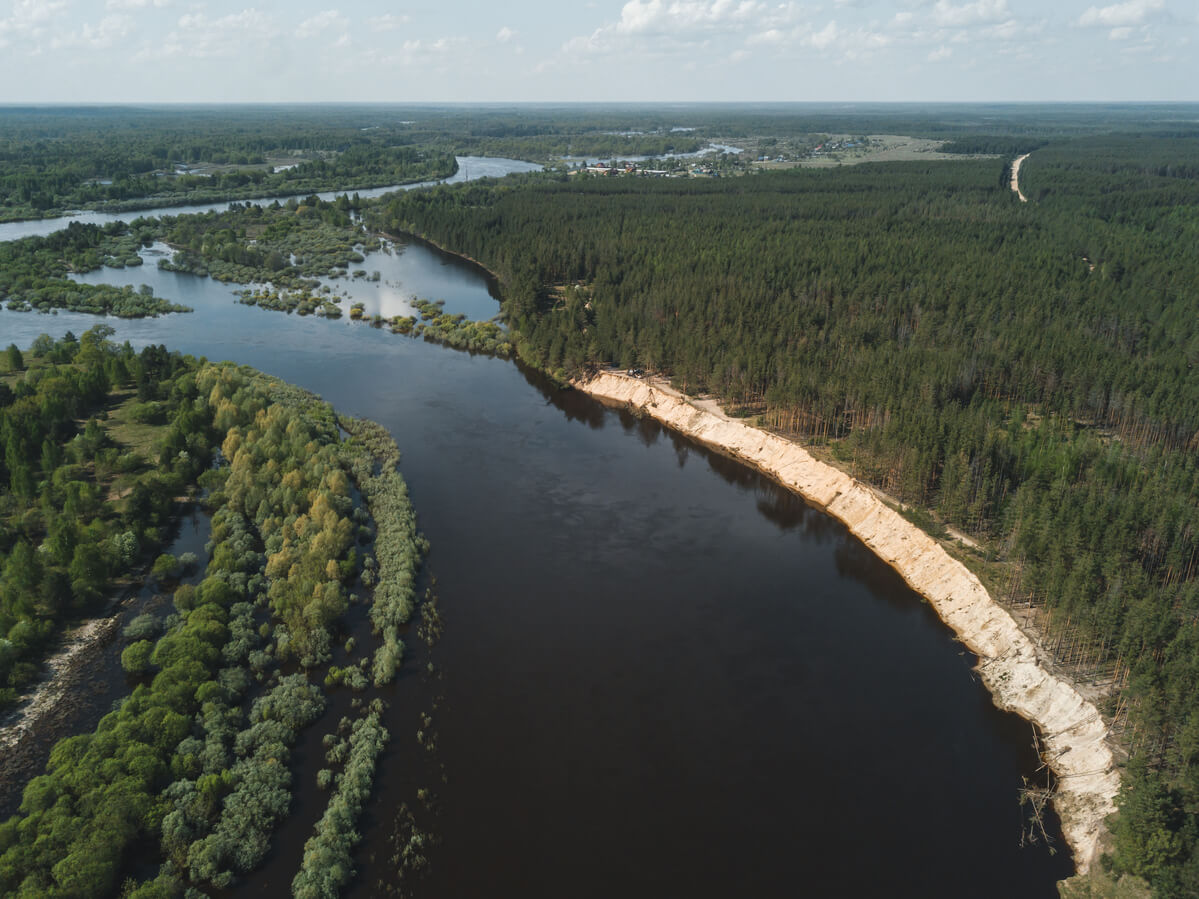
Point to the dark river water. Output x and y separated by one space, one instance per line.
661 674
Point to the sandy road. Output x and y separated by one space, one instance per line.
1016 177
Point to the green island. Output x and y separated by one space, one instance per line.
191 767
288 248
34 272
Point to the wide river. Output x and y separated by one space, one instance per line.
661 674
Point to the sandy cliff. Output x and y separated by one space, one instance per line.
1073 733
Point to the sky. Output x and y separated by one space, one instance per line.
162 51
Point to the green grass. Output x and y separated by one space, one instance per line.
131 435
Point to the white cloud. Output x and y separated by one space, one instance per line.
662 26
505 34
321 24
109 30
948 15
135 4
1134 12
418 52
199 36
1122 33
939 54
388 22
767 37
1013 29
824 38
34 12
689 14
30 21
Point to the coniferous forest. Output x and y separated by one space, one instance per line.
1025 370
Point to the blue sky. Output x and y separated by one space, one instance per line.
597 50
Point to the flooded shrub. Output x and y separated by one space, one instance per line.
143 627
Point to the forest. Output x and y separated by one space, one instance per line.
56 160
1025 371
182 784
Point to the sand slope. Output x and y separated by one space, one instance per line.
1073 732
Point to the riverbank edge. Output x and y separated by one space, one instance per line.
1073 733
401 237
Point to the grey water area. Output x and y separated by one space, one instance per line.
407 271
469 169
661 673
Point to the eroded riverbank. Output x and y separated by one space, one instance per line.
1073 731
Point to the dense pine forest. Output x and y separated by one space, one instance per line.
182 784
1025 370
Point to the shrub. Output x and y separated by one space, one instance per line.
143 627
165 566
136 657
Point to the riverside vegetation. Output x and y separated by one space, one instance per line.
1024 370
290 247
195 760
55 160
33 272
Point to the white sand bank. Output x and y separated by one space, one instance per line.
1073 733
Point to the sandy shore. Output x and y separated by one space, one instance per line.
1074 735
1016 176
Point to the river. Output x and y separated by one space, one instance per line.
661 674
469 169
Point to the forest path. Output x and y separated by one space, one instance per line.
1016 177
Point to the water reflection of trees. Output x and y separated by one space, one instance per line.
782 507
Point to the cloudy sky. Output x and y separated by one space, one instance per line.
606 50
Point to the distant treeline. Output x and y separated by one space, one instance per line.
997 145
1026 370
54 160
57 159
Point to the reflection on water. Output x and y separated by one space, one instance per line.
406 272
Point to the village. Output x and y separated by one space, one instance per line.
632 168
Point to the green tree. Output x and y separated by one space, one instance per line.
13 358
